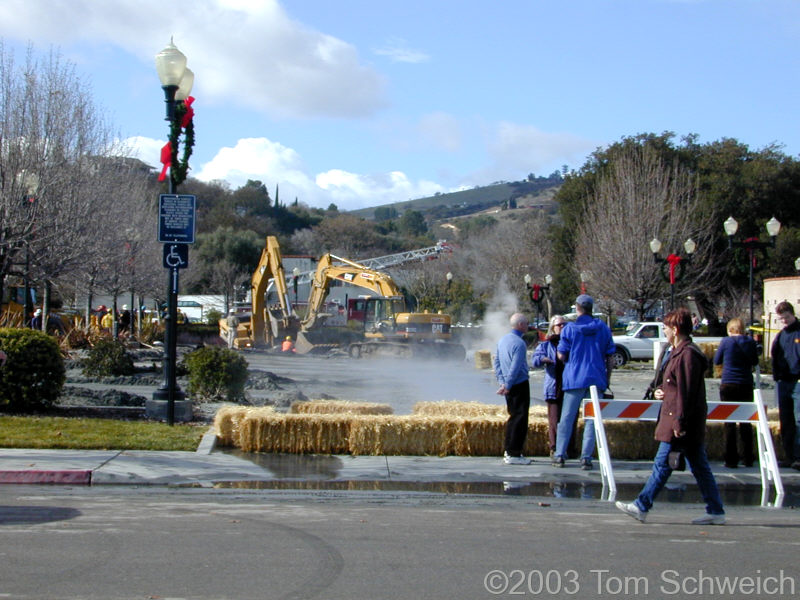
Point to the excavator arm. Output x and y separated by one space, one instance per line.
270 266
350 272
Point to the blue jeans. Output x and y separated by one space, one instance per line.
569 412
788 393
698 463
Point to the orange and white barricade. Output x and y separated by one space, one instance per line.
647 410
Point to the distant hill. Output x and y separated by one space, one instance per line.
466 202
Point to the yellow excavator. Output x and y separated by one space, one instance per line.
388 328
267 325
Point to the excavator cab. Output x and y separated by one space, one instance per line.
380 316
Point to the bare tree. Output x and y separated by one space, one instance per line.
51 138
638 198
510 250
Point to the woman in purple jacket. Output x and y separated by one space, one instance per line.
546 356
737 354
681 423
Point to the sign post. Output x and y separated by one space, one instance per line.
176 229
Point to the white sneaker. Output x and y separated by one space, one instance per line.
708 519
632 510
516 460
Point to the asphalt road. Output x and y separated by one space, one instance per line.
70 543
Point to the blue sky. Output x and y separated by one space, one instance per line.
365 102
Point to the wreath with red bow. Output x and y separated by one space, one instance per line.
183 122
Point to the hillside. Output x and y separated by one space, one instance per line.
465 202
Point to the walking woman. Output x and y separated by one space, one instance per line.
681 423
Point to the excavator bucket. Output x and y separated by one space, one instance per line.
304 345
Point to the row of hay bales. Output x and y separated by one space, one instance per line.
433 429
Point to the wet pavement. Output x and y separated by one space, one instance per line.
449 475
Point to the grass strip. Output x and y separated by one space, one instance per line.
96 434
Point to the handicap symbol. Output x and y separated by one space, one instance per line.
173 258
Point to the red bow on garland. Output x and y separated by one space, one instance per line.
166 160
189 114
673 261
166 151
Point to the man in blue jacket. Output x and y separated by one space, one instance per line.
586 348
786 373
511 370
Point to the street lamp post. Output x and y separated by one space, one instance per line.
295 276
675 263
536 293
176 81
752 244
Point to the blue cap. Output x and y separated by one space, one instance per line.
584 300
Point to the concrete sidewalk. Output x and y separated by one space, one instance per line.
208 468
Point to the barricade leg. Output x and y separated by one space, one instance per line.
767 459
604 458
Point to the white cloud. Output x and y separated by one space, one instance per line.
145 149
516 150
263 159
352 190
248 53
397 50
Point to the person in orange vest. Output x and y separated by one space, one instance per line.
287 345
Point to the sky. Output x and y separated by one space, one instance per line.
365 102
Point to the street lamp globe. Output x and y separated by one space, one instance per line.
690 246
449 277
548 279
527 278
773 227
170 65
797 264
295 271
731 226
185 86
655 245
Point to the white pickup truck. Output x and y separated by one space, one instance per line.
637 343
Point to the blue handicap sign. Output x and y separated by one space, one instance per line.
176 256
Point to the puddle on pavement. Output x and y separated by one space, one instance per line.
320 473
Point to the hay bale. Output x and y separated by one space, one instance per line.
331 407
228 420
457 408
483 359
295 434
413 435
482 436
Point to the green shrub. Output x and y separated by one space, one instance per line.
213 316
108 357
216 374
34 372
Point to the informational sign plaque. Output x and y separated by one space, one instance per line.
176 218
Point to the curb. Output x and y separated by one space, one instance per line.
57 477
207 443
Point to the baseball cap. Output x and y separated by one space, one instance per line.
584 300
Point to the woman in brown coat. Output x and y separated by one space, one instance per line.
681 423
